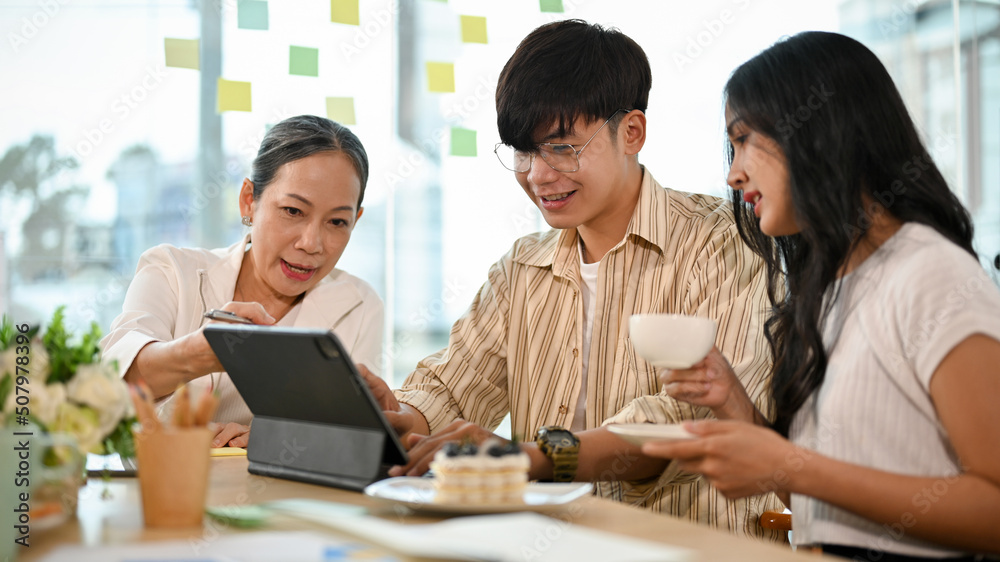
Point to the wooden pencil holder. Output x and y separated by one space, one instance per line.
173 475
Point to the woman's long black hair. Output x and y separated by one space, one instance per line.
849 142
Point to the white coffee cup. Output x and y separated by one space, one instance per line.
672 341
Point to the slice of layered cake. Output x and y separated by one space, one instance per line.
492 473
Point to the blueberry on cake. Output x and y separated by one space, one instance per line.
492 473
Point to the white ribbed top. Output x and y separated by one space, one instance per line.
898 315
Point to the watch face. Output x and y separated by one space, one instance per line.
559 437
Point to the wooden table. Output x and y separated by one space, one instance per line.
118 519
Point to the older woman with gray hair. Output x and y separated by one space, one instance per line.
301 205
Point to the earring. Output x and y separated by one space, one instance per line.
247 221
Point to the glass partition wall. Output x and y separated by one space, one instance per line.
121 132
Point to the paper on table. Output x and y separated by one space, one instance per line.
513 536
227 452
250 547
113 465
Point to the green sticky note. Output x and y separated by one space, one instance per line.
181 53
345 11
303 61
473 29
441 76
463 142
554 6
341 110
233 96
251 14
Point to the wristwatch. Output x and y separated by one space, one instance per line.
562 448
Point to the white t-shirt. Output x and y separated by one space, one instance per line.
588 288
897 316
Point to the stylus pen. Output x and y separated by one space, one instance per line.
225 316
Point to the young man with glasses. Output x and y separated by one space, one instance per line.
546 339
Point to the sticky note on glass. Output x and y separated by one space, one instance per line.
441 76
181 53
303 61
554 6
473 29
251 14
344 11
233 96
463 142
341 110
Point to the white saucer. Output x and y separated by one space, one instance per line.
418 494
639 433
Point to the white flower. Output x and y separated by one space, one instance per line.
97 385
82 423
8 361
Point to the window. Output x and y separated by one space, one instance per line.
107 151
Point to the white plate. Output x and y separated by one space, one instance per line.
418 494
639 433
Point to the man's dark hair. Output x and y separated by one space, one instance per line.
565 70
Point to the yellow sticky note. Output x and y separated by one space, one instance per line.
345 11
233 96
441 76
341 110
473 29
181 53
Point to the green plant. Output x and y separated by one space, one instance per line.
59 382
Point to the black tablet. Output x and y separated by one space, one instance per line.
315 418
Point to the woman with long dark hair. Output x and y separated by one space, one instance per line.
885 330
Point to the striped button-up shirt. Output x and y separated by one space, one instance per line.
517 349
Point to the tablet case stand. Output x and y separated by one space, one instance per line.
350 457
315 420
